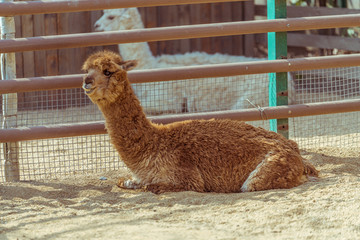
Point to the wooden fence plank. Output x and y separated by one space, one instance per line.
205 13
19 63
39 56
249 39
184 19
164 19
52 61
173 20
226 42
238 41
27 30
18 56
215 17
194 12
260 10
65 56
94 16
150 21
28 57
51 55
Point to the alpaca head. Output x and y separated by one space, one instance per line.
106 76
119 19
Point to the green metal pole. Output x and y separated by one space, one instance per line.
277 49
342 3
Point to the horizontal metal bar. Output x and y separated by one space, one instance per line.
266 113
189 72
51 131
178 32
81 129
40 83
39 7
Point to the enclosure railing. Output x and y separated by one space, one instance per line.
22 8
178 32
170 33
92 128
179 73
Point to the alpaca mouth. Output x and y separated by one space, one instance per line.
88 88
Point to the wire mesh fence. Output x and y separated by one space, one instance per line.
53 158
324 85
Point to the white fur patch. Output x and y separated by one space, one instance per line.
247 183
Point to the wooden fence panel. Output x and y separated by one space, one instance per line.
69 61
200 14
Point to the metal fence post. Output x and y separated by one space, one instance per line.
9 101
277 48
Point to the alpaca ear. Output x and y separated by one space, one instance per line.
128 65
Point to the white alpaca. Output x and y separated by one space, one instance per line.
195 95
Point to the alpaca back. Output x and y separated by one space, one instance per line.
235 146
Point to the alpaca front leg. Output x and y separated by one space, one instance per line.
129 184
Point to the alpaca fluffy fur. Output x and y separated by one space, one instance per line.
198 95
196 155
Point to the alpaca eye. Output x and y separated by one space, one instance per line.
110 17
107 73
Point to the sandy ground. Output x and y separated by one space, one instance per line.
86 207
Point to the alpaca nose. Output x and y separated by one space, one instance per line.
89 80
96 26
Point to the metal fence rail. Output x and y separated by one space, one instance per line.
189 72
93 128
179 32
22 8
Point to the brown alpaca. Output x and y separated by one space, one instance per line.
197 155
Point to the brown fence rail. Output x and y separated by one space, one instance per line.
181 32
179 73
61 131
38 7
